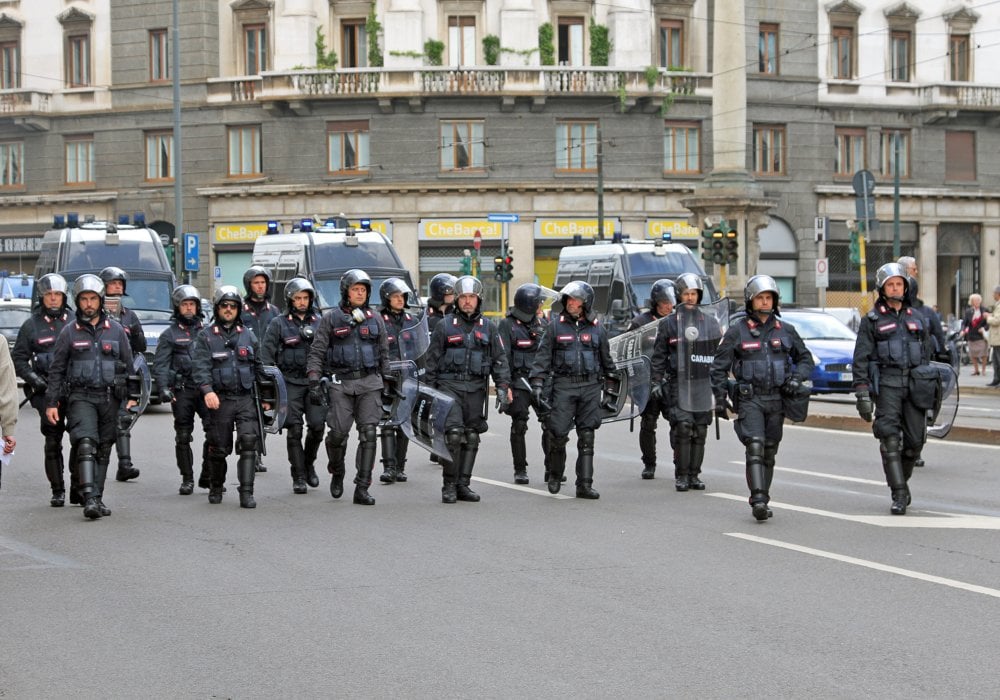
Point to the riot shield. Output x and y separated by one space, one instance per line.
942 419
271 390
699 332
140 386
423 411
631 353
413 341
549 298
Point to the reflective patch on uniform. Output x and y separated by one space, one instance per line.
243 352
585 337
565 338
524 343
81 344
45 339
750 345
455 339
913 326
341 332
885 327
220 355
775 342
673 341
291 340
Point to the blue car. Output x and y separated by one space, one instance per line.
832 346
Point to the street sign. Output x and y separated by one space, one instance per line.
503 218
165 239
864 209
863 183
218 272
820 228
477 240
822 273
190 252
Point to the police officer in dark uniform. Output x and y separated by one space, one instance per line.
91 359
286 345
688 430
173 367
352 348
226 364
770 363
395 297
521 331
661 304
465 351
257 314
32 357
575 352
892 379
441 300
115 280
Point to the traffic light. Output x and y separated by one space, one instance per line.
508 266
732 246
854 251
707 238
466 265
498 269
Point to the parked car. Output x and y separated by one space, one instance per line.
13 313
832 346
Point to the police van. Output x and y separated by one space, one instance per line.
322 253
73 248
622 274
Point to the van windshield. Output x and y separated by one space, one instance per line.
95 254
150 299
337 256
656 266
328 290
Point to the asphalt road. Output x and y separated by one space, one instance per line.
644 593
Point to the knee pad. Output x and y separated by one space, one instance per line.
891 444
104 451
53 447
294 432
315 432
585 441
453 438
335 440
182 437
685 431
559 441
472 439
367 433
755 450
86 448
700 433
648 422
248 443
215 452
519 426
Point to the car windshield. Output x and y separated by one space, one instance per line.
820 327
14 317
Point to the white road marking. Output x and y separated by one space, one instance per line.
37 558
950 582
822 475
868 436
932 519
526 489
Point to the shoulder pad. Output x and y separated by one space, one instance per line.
872 315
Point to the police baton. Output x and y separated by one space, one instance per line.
718 436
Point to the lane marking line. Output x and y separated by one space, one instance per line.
525 489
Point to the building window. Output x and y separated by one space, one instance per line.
960 156
80 160
244 151
10 65
887 149
462 145
11 160
353 44
767 49
570 41
959 57
681 151
671 44
576 146
159 156
347 147
769 149
78 60
850 151
461 41
159 56
900 64
254 49
842 53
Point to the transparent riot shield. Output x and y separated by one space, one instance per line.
942 419
270 389
699 332
549 298
632 352
423 411
140 386
412 343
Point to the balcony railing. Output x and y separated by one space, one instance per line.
24 101
961 95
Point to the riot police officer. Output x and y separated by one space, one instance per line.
257 314
661 304
688 429
173 367
575 352
351 348
226 365
115 282
521 331
91 359
770 364
465 351
893 381
32 356
394 295
286 345
441 300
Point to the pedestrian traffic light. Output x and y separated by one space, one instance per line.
498 268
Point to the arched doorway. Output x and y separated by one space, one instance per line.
779 253
958 249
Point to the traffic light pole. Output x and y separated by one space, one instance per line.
504 285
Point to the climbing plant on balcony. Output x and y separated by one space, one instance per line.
491 49
434 51
324 59
372 29
546 45
600 44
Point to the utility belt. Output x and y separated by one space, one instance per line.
577 377
91 393
359 374
452 376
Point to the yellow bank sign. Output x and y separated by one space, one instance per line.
567 228
679 229
458 229
239 233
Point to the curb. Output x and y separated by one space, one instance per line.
856 425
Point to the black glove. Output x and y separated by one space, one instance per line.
37 384
656 392
166 395
792 386
315 392
864 405
722 407
503 405
120 387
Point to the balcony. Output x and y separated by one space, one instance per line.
24 101
296 89
944 101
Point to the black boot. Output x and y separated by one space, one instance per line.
246 468
697 457
756 479
336 452
364 461
314 438
296 459
585 464
54 471
402 442
185 462
216 476
86 453
100 476
770 453
682 454
125 469
205 478
557 463
449 467
647 445
388 438
469 451
892 465
519 450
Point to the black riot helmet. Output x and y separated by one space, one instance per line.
256 271
689 280
582 292
226 292
440 286
467 284
296 285
662 291
351 278
52 282
888 271
527 297
112 273
391 286
757 285
185 292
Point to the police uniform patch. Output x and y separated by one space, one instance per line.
750 345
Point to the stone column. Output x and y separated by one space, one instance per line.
295 36
518 32
729 89
988 261
403 30
927 264
628 28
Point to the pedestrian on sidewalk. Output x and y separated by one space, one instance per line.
8 400
973 328
994 336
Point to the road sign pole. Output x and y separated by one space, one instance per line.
822 290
